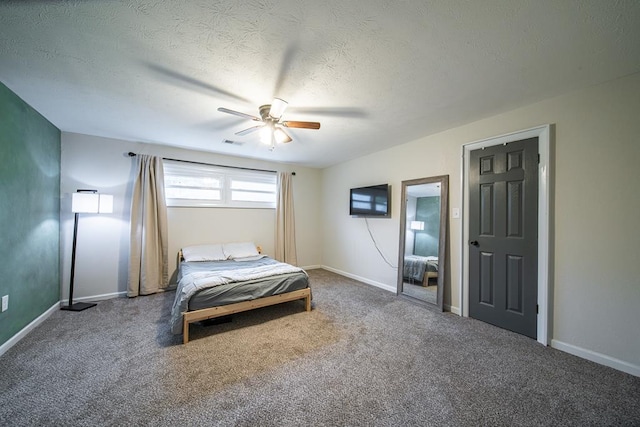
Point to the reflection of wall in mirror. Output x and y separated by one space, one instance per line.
426 241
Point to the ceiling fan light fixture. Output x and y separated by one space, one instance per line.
266 133
277 108
280 136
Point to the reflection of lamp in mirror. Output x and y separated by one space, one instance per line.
417 225
84 201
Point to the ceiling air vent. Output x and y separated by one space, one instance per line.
230 142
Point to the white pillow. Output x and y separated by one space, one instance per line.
203 253
240 250
250 258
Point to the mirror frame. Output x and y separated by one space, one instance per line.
443 180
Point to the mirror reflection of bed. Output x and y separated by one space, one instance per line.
422 239
421 277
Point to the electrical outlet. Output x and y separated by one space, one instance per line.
5 303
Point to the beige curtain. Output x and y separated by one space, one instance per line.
285 221
149 260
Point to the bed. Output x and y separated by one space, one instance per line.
420 269
223 279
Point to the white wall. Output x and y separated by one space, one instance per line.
348 247
103 240
595 203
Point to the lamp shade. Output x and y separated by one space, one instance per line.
85 202
91 203
417 225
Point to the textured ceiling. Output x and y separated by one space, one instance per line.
375 73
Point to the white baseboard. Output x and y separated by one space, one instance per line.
600 358
452 309
311 267
362 279
100 297
24 331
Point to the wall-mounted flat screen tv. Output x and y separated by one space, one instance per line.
372 201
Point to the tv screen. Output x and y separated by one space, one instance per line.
370 201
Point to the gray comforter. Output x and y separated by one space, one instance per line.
197 277
415 266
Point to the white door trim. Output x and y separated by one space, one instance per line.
544 141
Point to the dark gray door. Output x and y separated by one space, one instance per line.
503 236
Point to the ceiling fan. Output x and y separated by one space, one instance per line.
271 128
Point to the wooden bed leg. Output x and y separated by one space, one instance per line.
185 331
307 301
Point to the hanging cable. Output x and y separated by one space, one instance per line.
376 245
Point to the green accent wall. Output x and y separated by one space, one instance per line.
426 241
29 213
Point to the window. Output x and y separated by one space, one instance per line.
191 184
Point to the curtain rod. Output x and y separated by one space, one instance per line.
132 154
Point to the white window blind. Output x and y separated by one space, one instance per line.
192 184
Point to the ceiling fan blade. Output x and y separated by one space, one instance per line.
191 82
249 130
238 113
301 125
355 113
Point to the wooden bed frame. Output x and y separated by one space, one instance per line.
225 310
428 275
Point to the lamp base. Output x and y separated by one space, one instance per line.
78 306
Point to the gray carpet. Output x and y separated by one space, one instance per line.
362 357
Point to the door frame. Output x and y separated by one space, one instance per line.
543 133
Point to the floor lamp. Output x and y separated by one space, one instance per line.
84 201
